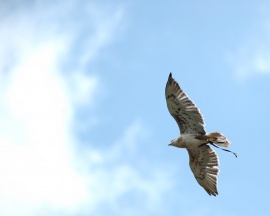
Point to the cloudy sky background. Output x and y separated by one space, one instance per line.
84 127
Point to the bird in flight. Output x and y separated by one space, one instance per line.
203 160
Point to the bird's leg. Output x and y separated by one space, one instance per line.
211 143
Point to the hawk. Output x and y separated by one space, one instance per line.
203 160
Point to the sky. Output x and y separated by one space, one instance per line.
84 127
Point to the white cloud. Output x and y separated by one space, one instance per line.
36 165
41 173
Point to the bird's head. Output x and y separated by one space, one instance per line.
176 142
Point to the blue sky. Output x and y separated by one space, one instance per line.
84 123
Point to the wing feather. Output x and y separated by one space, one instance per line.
182 109
203 162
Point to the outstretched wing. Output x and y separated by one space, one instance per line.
182 109
203 162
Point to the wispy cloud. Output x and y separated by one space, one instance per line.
250 61
114 178
40 169
252 56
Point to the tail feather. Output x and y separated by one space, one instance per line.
218 139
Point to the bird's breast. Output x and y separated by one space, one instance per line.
189 140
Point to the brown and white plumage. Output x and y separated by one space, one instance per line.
182 109
203 160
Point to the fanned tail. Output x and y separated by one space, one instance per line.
218 139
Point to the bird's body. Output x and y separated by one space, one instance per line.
203 160
187 141
194 140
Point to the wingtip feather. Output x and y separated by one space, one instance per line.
170 80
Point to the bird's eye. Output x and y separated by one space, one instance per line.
171 141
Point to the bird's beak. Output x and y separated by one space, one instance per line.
170 144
